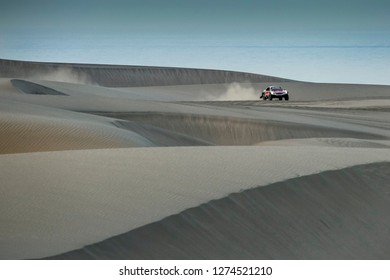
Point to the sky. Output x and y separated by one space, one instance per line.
84 27
193 15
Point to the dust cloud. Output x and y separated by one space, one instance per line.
66 75
238 91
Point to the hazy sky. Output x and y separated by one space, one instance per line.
315 40
194 16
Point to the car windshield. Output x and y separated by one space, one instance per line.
277 88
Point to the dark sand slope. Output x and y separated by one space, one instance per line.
33 88
339 214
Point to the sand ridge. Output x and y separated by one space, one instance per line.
123 76
137 186
335 221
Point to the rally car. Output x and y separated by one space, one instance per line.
274 92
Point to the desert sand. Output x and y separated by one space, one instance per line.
133 162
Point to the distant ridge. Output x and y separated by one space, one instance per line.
128 76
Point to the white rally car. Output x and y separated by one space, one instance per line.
274 92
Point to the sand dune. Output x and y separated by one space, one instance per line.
122 76
119 190
309 217
224 130
112 162
32 128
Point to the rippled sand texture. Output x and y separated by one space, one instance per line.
125 162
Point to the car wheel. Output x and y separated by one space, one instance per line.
286 97
270 97
280 98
